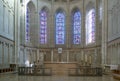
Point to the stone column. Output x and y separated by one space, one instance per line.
95 57
24 54
67 55
31 56
36 54
97 23
52 26
52 55
112 54
82 55
1 16
110 24
37 30
38 57
8 53
108 55
83 28
1 52
3 48
68 26
16 30
118 53
104 31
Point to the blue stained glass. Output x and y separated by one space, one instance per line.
27 25
90 27
77 27
43 27
60 29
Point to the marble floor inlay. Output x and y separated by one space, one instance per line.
15 77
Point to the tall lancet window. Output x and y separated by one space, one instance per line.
60 28
76 27
27 37
90 26
43 27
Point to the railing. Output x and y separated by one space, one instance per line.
34 71
85 71
10 68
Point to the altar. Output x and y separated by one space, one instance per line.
60 68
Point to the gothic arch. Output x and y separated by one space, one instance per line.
60 28
75 9
30 20
89 6
90 24
60 10
45 8
43 16
31 6
76 25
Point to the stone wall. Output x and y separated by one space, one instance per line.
81 53
113 55
52 7
110 32
7 54
113 19
7 19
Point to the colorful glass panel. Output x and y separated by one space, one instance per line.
77 28
90 27
60 28
27 25
43 27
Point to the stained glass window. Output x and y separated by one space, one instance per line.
77 27
27 25
60 28
90 26
43 27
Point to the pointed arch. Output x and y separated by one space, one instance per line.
43 14
90 26
60 26
30 8
27 32
76 26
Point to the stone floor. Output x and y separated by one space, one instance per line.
15 77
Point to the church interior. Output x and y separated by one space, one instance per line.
60 40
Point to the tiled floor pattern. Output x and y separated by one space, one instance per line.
15 77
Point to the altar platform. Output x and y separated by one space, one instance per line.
60 68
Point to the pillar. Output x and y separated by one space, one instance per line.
52 55
67 55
